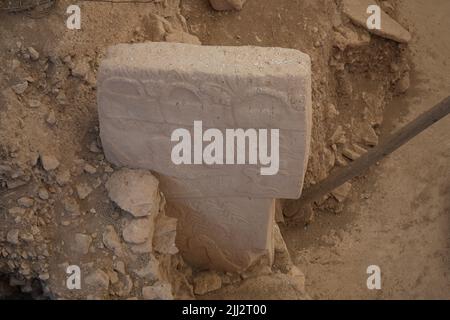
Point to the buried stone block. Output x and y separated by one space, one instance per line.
148 92
227 234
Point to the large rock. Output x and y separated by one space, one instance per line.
225 212
135 191
146 91
138 231
356 10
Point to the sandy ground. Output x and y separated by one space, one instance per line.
403 225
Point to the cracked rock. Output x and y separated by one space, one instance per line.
135 191
138 231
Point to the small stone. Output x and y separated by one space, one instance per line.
13 236
89 168
350 154
112 241
27 237
51 118
16 211
43 194
341 193
93 147
206 282
338 137
34 55
332 112
359 150
44 276
98 280
82 243
370 137
108 169
49 162
165 234
33 103
63 177
71 206
159 291
81 69
138 231
403 84
25 202
83 190
61 98
119 266
151 271
20 87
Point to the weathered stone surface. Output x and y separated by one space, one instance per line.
49 162
207 282
356 10
165 235
97 279
135 191
81 243
112 241
225 212
159 291
228 234
146 91
139 230
222 5
150 271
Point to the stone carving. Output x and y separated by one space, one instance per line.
146 91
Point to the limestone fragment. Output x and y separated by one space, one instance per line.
138 231
89 168
82 243
97 279
207 282
13 236
159 291
151 270
63 177
135 191
34 55
83 190
356 10
370 137
43 194
20 87
350 154
71 206
342 192
165 234
112 241
49 162
403 84
25 202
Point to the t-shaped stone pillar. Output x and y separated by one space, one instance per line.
226 211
